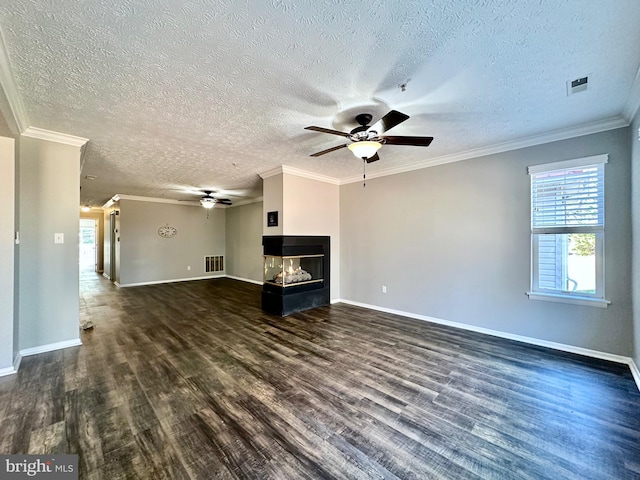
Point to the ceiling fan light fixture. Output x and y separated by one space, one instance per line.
364 149
207 202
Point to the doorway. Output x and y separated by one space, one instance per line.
88 245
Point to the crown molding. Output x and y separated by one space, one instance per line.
272 172
299 173
10 88
564 134
83 155
187 203
310 175
633 100
246 202
110 202
41 134
137 198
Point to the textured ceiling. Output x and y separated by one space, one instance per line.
177 95
5 131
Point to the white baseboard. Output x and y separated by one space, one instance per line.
104 274
635 372
510 336
50 347
8 371
13 369
36 350
242 279
16 362
173 280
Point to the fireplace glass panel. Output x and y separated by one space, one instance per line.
292 270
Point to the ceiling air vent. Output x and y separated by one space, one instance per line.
577 85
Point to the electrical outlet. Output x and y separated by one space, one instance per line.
58 238
188 267
384 289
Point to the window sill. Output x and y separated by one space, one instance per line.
558 298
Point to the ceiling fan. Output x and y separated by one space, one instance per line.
366 140
208 200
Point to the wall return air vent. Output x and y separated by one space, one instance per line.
214 263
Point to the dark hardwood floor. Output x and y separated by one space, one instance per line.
192 380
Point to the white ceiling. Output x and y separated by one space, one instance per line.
177 95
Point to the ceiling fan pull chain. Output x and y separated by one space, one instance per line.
364 172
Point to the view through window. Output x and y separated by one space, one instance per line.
567 227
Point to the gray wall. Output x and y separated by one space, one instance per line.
635 205
49 187
453 242
16 257
244 241
115 226
7 220
106 239
145 257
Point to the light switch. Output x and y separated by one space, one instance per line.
58 238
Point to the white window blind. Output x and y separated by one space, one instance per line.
567 231
568 198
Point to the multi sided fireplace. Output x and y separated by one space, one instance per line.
296 273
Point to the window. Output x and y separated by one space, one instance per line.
567 231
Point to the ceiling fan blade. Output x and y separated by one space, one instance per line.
387 122
328 130
332 149
223 201
415 141
375 158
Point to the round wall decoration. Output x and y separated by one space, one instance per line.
167 231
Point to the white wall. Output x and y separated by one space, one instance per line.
146 257
7 275
453 242
312 207
49 188
244 241
273 202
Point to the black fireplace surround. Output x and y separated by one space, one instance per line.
303 288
